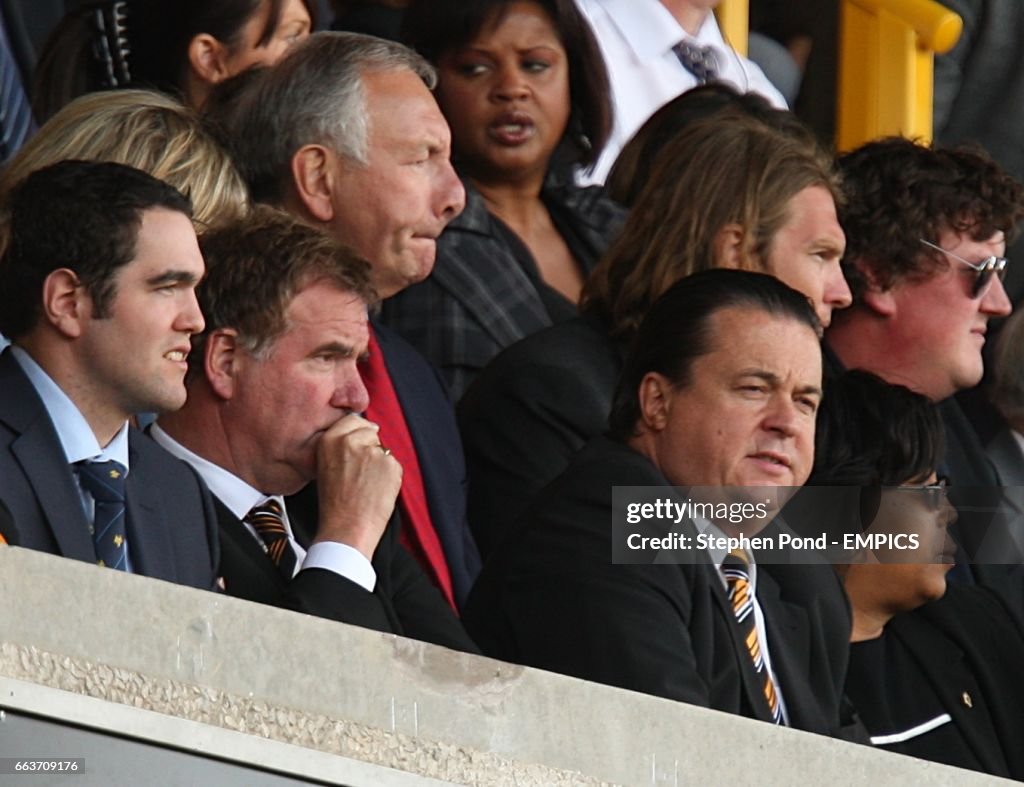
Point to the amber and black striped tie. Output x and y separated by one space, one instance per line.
736 570
267 519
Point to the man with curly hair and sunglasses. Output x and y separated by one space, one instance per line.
926 232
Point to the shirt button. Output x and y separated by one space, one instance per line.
967 700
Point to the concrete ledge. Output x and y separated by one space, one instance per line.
381 699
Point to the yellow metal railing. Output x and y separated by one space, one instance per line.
734 20
886 64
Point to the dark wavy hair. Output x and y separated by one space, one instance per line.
872 433
899 192
436 27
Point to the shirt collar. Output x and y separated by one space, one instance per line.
238 496
718 554
77 438
654 31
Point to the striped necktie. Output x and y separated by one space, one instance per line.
736 570
105 481
16 124
267 519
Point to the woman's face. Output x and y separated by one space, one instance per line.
913 513
293 25
506 95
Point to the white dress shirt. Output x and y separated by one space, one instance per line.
240 498
636 39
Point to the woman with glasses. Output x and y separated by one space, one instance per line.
935 666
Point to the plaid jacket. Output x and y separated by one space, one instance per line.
480 297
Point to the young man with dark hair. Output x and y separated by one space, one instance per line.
97 292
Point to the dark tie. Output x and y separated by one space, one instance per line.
267 519
16 123
105 482
736 570
698 60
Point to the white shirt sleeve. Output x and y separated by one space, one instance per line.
343 560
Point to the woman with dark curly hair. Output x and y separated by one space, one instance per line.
524 89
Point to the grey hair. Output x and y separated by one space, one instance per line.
1007 392
315 95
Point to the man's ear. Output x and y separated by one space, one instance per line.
655 401
730 248
208 58
220 361
314 179
66 303
881 301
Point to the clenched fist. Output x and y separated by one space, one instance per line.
358 483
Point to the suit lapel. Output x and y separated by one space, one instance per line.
751 685
789 646
942 663
247 571
149 520
38 450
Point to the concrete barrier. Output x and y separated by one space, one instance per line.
226 681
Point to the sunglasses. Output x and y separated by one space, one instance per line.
984 269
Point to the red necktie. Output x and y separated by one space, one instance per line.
418 534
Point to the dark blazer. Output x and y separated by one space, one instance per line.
551 597
172 530
527 413
403 601
485 292
967 648
431 421
8 531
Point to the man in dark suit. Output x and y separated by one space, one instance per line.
97 294
720 390
345 134
274 402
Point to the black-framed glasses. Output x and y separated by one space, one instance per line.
984 269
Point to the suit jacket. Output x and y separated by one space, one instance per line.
526 415
431 421
485 292
403 601
171 527
8 532
550 597
966 648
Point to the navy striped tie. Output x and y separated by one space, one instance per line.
105 481
16 124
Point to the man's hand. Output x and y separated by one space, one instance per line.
358 483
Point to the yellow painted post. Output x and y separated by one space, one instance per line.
734 20
886 66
